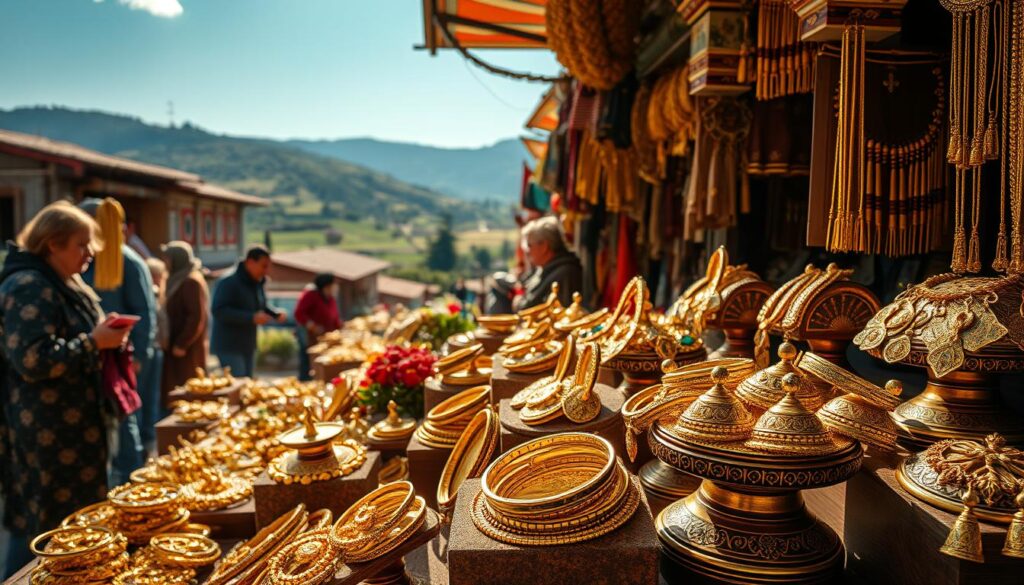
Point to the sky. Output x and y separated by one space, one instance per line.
270 68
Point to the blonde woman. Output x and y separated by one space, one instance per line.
53 428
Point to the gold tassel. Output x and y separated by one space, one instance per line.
1014 545
959 263
1001 261
964 540
974 253
977 157
110 261
991 144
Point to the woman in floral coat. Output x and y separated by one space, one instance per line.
53 428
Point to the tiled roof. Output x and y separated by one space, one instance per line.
344 265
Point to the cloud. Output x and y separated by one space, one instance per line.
161 8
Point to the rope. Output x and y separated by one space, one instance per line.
493 68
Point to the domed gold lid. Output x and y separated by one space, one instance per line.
789 428
764 389
855 417
394 427
716 416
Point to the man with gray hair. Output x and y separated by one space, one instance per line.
551 261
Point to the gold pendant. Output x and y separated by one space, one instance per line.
986 329
897 349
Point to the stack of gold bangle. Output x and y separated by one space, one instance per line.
500 324
445 422
79 554
470 456
147 568
464 367
680 386
216 490
559 489
370 528
248 559
533 356
144 510
200 411
182 549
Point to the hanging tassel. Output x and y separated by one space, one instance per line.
977 157
959 263
991 144
974 253
1001 261
953 154
964 540
1014 545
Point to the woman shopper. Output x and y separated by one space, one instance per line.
315 314
55 419
187 298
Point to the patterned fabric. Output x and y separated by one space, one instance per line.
53 443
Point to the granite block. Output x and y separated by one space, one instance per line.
608 423
627 555
273 499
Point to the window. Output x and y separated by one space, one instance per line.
188 225
206 221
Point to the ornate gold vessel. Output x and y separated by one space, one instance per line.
965 331
313 453
747 522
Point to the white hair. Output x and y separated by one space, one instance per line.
545 229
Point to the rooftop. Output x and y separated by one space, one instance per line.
344 265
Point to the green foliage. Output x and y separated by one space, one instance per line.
482 258
375 397
441 255
275 347
436 329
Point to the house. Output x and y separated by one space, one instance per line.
355 274
412 294
166 204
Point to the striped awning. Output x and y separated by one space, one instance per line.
545 115
484 24
536 148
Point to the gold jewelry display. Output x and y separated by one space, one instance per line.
444 424
464 367
148 509
501 324
78 554
471 454
558 489
572 316
572 397
541 390
313 455
249 558
366 523
185 550
764 389
204 384
533 356
392 428
215 490
308 560
395 469
200 411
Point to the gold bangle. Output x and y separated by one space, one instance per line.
71 541
183 549
372 516
469 457
309 560
847 381
271 537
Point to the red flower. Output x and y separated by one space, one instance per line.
411 379
454 309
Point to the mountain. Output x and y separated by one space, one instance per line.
493 172
289 175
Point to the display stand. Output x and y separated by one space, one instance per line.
233 393
489 339
628 554
608 423
274 499
892 537
328 372
390 568
428 564
505 384
425 466
388 449
237 522
170 428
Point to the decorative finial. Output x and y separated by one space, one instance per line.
791 383
393 417
894 387
787 351
309 420
719 375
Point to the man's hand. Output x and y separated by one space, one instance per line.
178 352
261 318
281 317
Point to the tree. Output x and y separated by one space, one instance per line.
506 250
482 257
441 254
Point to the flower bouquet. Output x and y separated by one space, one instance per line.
441 321
397 374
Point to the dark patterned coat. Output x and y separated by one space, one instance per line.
53 440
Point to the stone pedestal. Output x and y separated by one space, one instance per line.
425 466
505 384
491 341
608 424
388 449
390 569
274 499
892 537
233 523
233 393
328 372
628 554
170 428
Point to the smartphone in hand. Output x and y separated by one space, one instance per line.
122 321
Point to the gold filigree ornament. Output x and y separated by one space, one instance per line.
393 428
216 490
311 559
541 390
858 418
789 427
185 550
313 455
147 509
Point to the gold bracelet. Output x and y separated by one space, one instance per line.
309 560
372 516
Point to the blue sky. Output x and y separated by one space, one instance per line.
274 68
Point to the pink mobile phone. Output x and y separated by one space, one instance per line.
122 321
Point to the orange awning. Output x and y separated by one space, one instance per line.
536 148
485 24
545 115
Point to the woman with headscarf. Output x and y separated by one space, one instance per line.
315 314
187 299
55 414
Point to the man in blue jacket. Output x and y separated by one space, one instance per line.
239 307
133 297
